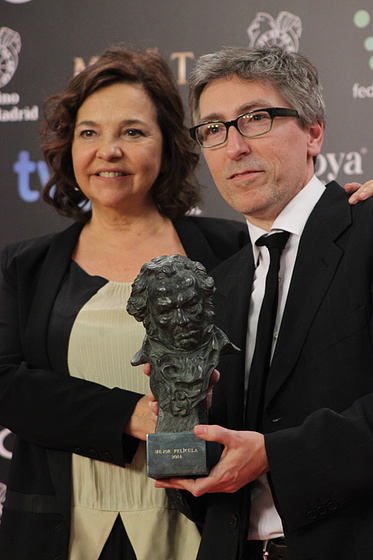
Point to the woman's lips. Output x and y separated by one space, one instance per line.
110 174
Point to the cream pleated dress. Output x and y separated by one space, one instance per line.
103 340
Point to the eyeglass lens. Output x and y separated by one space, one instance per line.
212 134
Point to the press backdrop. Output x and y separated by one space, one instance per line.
44 42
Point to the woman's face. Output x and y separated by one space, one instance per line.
117 148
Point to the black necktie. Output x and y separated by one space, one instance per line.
263 345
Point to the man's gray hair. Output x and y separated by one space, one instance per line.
292 74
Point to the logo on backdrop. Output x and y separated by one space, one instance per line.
329 165
181 59
284 31
10 45
4 452
362 19
2 496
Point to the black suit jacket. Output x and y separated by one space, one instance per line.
53 414
318 415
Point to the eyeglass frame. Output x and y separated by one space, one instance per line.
272 111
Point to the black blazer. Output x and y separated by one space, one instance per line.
318 415
53 414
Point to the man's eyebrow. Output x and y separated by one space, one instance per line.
245 108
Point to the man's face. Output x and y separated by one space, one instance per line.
258 176
177 311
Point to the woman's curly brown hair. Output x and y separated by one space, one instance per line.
175 191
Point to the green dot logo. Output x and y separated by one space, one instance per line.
363 20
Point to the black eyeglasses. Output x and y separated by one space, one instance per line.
251 124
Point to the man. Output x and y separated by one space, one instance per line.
303 468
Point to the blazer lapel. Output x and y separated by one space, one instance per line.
233 281
317 260
53 270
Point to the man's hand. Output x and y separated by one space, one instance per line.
359 192
141 422
243 460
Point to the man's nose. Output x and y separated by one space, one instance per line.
236 144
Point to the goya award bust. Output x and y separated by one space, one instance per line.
172 296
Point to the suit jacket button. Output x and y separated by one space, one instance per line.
332 505
92 453
311 515
233 521
106 456
322 510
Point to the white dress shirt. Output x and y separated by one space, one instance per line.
265 522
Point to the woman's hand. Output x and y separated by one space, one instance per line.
152 401
141 421
359 192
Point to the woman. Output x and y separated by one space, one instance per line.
122 167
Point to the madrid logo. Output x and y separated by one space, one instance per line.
10 46
284 31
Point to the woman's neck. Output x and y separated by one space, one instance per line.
125 229
116 250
